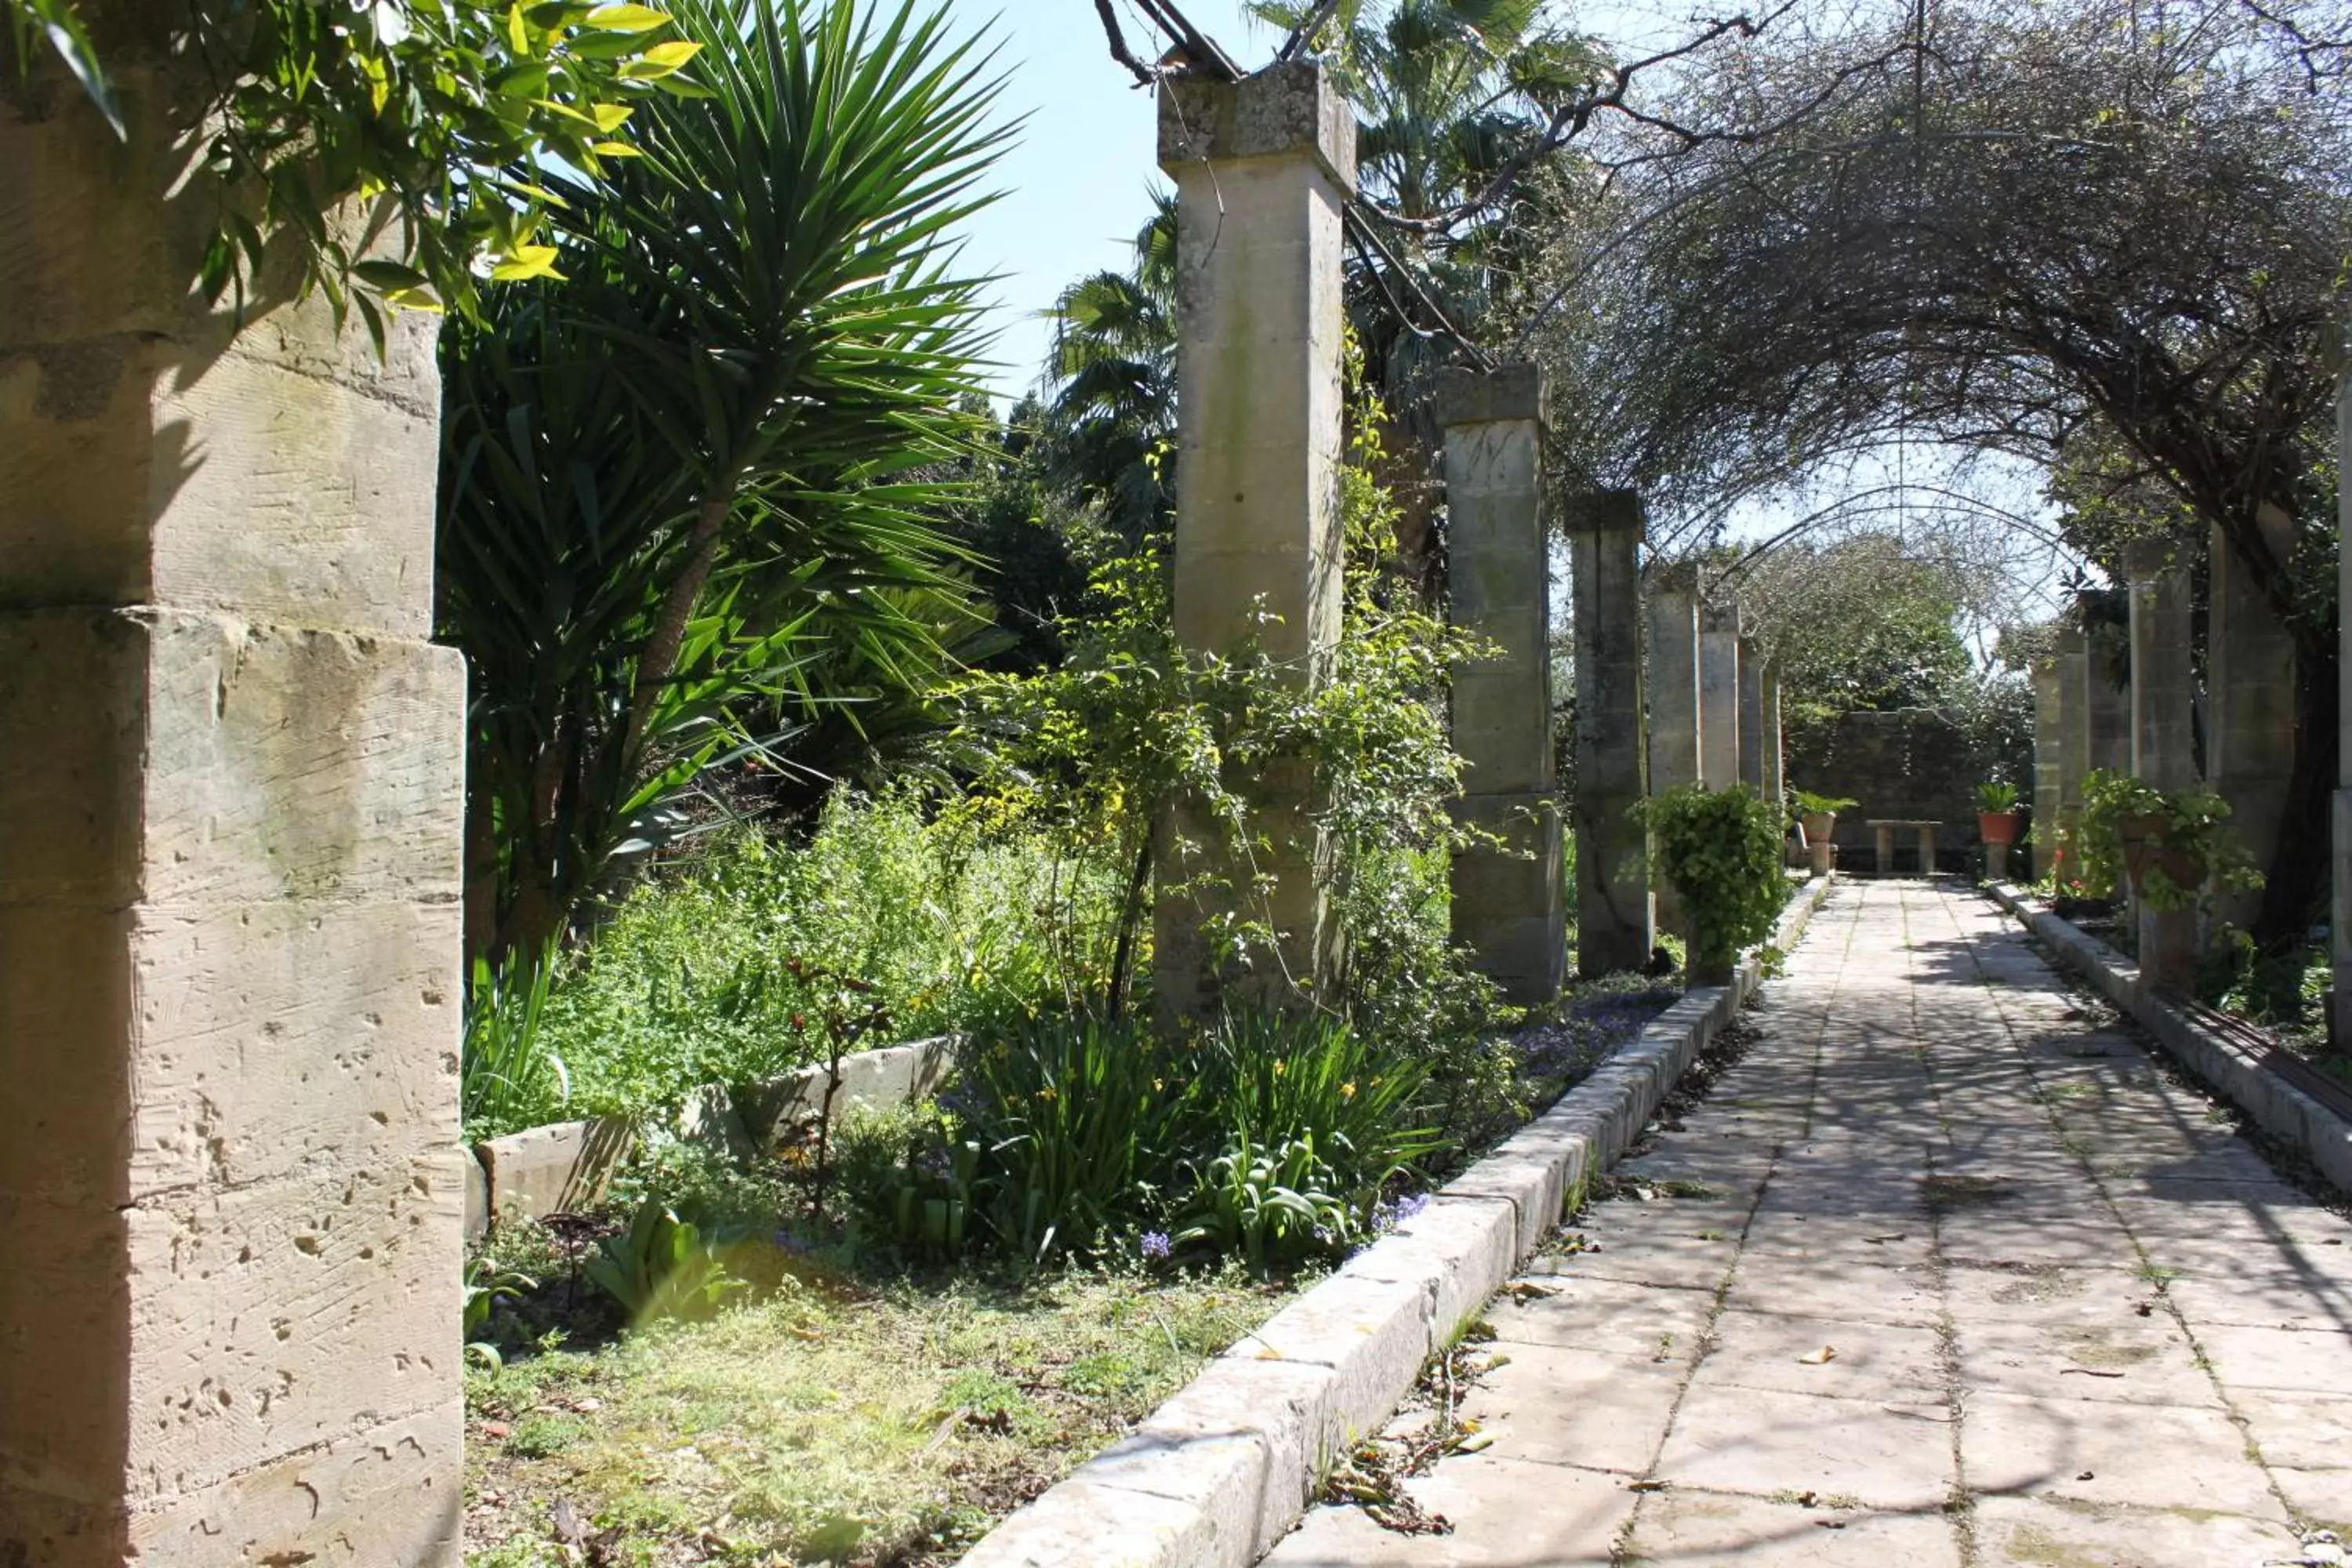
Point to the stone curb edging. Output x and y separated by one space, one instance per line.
2278 1107
1224 1469
567 1164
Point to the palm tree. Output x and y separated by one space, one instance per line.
1448 92
1113 377
695 478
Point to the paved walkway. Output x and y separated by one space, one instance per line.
1943 1271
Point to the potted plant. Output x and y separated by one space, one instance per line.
2164 846
1997 815
1818 815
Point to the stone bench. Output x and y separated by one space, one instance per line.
1882 829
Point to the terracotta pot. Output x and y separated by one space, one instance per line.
1997 826
2184 869
1819 826
2141 837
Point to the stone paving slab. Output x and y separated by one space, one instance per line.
1953 1270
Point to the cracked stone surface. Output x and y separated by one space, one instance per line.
1948 1268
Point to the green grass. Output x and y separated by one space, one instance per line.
830 1424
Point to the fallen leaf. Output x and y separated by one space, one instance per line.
2086 1475
1526 1290
1646 1487
1475 1442
2087 1371
1820 1357
495 1429
2143 1308
1831 1523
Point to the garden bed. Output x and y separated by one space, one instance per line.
855 1410
885 1424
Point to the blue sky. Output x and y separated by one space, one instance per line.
1075 183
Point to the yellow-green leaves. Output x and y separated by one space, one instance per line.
626 18
661 60
527 261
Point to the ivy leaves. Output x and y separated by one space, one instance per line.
1721 850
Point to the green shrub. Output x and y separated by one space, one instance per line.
1721 850
713 971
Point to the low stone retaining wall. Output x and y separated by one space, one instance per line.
568 1165
1222 1472
2225 1065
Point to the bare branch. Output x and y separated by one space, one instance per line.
1144 75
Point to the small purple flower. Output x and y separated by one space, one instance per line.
1155 1244
1323 1234
1411 1207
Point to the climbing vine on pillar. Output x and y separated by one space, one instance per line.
1721 850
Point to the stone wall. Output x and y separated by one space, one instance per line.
1909 763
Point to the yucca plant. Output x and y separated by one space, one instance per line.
685 481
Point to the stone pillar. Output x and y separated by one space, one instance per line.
1509 907
231 765
1263 167
1751 714
2339 1008
2107 706
2163 731
1767 744
2074 734
2049 767
1673 683
1718 695
1615 926
2250 682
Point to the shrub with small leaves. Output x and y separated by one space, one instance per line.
1721 850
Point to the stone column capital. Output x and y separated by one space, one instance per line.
1508 391
1289 107
1674 577
1603 511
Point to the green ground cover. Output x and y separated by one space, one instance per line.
834 1421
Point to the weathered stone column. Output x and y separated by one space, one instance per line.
1262 168
1509 907
231 766
1769 747
1615 927
2250 683
2073 735
2107 708
1673 684
2163 732
2049 767
1719 694
2339 1007
1751 714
